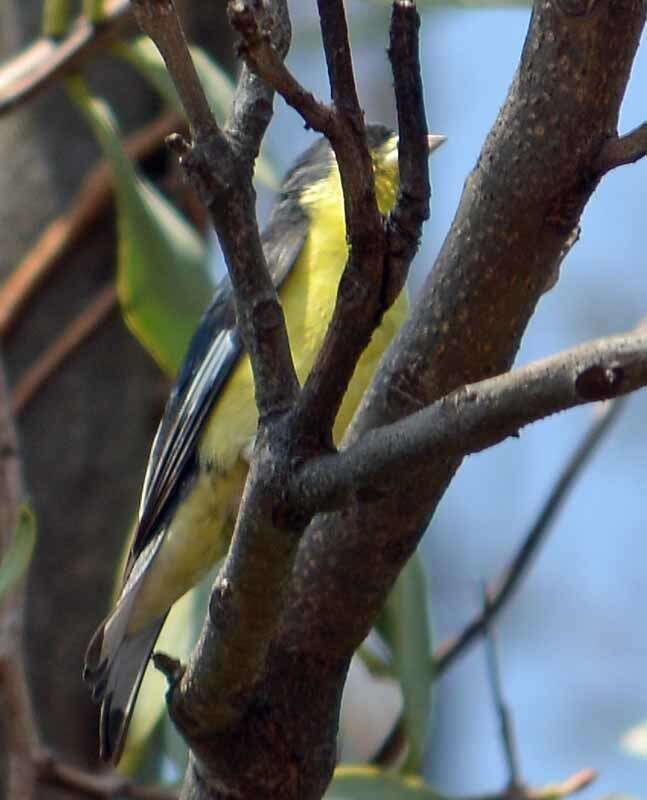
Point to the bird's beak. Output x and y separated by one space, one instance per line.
434 142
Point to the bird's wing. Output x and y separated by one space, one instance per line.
213 352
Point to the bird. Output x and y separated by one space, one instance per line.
200 454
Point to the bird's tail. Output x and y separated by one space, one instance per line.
115 662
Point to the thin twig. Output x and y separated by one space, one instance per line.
220 165
159 19
504 586
18 714
45 60
336 42
622 150
90 201
515 784
76 332
404 225
262 57
573 784
221 171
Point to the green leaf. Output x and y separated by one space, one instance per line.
374 663
405 627
56 17
142 54
93 10
371 783
163 281
16 560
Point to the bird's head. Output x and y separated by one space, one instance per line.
383 144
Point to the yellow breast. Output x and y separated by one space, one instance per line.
308 298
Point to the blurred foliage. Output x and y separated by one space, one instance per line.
371 783
163 279
219 88
404 626
18 555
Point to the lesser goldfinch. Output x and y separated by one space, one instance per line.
198 461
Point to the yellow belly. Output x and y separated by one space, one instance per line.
197 536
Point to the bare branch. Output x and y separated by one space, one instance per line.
501 591
476 417
359 301
159 20
220 168
262 58
622 150
46 59
515 784
334 31
252 106
371 282
404 225
509 230
85 324
503 588
247 600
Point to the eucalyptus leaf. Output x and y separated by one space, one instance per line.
370 783
16 560
404 626
163 279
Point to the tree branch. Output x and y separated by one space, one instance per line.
159 20
371 281
83 326
621 150
518 209
503 588
247 599
221 170
404 224
45 60
474 418
506 727
336 43
263 59
358 309
508 581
